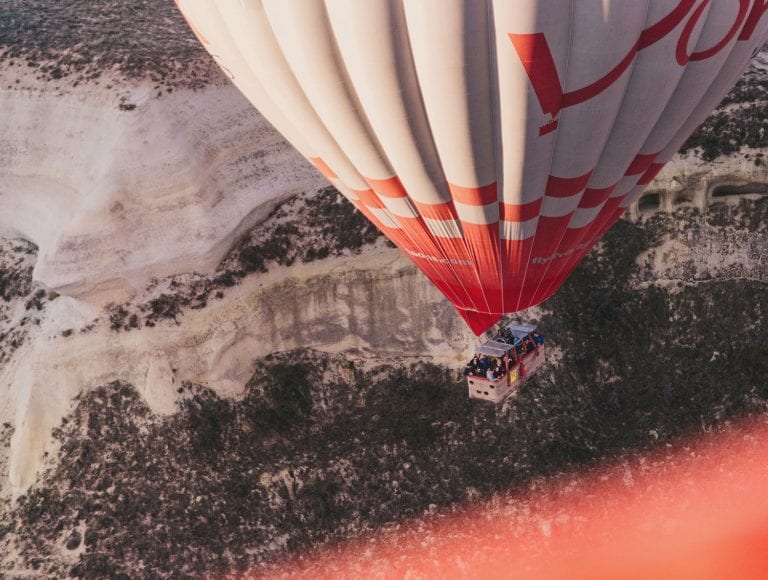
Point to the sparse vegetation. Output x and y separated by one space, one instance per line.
82 39
330 227
741 120
16 270
164 306
726 132
17 259
117 315
284 400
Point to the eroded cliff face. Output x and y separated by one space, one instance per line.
375 305
113 196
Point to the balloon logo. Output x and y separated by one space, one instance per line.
493 141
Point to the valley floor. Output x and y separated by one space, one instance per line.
323 448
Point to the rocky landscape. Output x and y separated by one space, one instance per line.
209 361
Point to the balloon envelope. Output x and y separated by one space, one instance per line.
493 141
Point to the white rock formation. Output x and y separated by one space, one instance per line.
113 197
689 180
344 304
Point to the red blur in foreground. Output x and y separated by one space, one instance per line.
698 510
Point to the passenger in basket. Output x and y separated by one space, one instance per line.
469 369
537 338
478 370
472 366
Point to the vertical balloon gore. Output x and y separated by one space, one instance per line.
492 141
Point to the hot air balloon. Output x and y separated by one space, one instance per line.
493 141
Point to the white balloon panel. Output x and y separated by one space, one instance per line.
494 141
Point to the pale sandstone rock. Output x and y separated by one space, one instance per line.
341 304
114 197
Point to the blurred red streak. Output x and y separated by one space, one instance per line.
698 510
